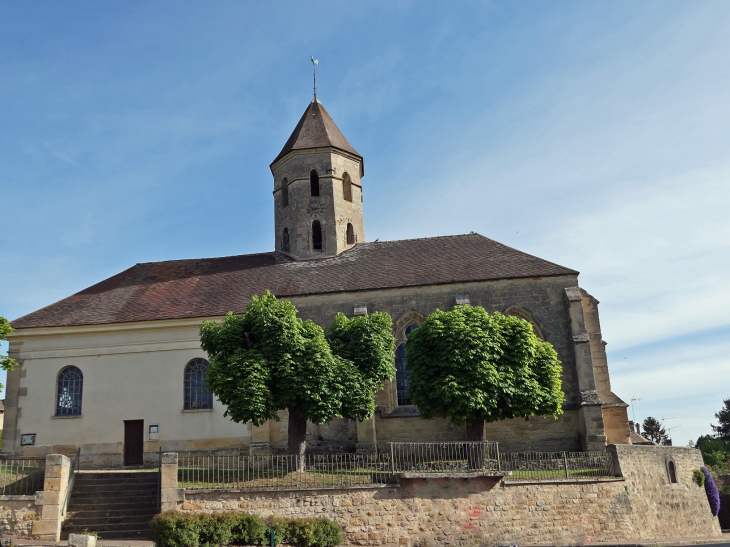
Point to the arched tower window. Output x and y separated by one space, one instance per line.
285 240
314 183
284 193
70 389
347 187
316 236
672 471
402 374
197 395
350 234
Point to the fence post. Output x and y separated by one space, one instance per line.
499 460
392 458
170 494
565 461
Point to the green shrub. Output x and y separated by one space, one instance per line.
250 530
174 529
314 533
698 476
280 529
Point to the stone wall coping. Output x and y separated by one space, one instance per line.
521 482
189 492
17 498
473 475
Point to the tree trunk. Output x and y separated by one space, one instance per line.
475 452
297 437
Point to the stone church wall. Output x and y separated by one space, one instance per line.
641 505
135 371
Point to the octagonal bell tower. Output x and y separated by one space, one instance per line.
317 189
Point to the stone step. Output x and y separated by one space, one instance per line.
127 524
132 533
95 523
122 487
83 475
99 511
144 504
107 494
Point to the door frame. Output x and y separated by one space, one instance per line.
125 454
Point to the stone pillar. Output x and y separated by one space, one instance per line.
53 497
367 441
170 494
590 412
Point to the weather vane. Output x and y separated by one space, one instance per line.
315 62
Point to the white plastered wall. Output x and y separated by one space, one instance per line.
131 371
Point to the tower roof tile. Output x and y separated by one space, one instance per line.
316 129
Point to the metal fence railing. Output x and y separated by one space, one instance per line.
283 471
557 465
21 477
276 472
444 457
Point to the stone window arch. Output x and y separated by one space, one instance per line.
522 313
285 240
672 471
70 390
406 324
285 193
316 235
314 183
350 234
197 396
347 187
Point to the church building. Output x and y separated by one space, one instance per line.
117 369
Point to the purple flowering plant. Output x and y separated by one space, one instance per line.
713 495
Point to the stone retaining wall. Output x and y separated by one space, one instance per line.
643 504
18 514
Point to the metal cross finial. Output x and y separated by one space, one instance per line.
315 62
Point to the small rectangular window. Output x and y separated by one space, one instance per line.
27 439
154 434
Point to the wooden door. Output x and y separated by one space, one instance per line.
133 442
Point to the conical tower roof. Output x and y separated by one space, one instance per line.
316 129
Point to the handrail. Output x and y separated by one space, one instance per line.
71 479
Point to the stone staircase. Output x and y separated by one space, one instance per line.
114 504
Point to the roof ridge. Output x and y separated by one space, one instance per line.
207 258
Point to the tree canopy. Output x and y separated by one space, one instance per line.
722 431
6 363
653 430
473 367
268 359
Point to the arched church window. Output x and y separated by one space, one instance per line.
347 187
285 240
197 395
316 236
402 374
515 311
350 234
314 182
284 193
70 390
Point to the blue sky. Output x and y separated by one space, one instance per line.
593 134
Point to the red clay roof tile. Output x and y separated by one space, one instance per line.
214 286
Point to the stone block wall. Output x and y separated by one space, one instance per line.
643 504
18 515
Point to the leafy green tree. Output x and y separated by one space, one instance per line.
267 359
653 430
722 431
473 367
6 362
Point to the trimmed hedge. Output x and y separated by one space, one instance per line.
175 529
